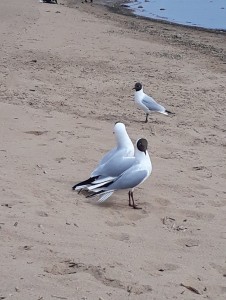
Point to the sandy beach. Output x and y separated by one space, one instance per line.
66 76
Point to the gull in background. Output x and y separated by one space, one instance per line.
139 171
114 162
147 103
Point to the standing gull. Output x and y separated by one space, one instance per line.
147 103
139 171
114 162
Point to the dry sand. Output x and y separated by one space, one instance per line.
63 71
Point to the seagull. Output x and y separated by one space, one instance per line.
139 171
114 162
147 103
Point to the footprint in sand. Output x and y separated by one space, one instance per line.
197 215
159 268
123 237
167 267
42 214
129 215
223 176
36 132
219 268
118 223
202 171
188 243
162 202
99 273
218 203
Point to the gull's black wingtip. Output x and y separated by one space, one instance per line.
94 194
88 181
169 112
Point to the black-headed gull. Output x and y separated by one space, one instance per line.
147 103
139 171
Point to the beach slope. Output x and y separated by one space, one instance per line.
66 77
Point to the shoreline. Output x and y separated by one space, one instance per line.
193 37
125 11
120 3
119 7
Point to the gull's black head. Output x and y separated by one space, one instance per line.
137 87
142 145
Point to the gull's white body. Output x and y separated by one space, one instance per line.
137 173
113 159
147 103
114 162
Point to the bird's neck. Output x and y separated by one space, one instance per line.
140 155
144 158
139 94
123 139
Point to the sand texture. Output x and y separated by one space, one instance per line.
66 76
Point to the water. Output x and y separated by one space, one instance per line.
209 14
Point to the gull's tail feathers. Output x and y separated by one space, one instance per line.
164 112
101 183
104 197
84 184
97 192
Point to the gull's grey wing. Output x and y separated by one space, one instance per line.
107 156
151 104
115 166
129 179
